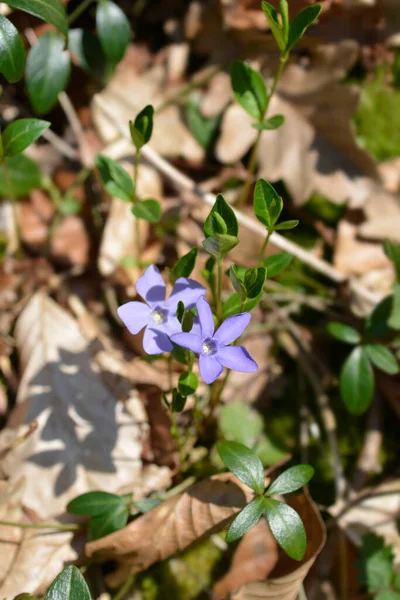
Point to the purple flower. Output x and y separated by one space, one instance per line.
157 315
215 353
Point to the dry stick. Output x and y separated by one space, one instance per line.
185 183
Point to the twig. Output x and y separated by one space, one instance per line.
58 526
184 182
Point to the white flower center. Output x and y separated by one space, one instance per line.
159 316
209 346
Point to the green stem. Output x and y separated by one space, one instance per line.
59 526
264 246
79 10
135 201
124 588
13 201
243 194
218 299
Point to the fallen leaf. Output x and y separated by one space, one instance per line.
70 241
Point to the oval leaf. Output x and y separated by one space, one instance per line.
148 210
219 245
286 527
277 262
142 129
291 480
109 521
382 358
377 323
227 214
12 53
285 225
88 51
113 29
22 133
186 263
270 124
93 503
243 463
357 381
48 69
249 89
245 520
68 585
51 11
343 332
188 383
301 22
24 176
267 203
116 180
254 280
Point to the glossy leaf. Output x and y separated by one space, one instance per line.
148 210
343 332
226 212
12 53
93 503
48 69
113 29
237 282
88 51
111 520
272 18
267 203
188 383
245 520
382 358
51 11
24 176
392 251
254 280
291 480
394 317
142 128
186 264
22 133
243 463
286 527
357 381
285 225
69 585
219 245
277 262
249 89
270 124
233 305
301 22
116 180
377 323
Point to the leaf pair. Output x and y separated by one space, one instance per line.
107 512
285 33
221 229
248 283
268 206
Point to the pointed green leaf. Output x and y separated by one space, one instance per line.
12 53
148 210
188 383
394 318
219 245
249 89
111 520
142 128
377 324
285 225
382 358
254 280
116 180
277 262
291 480
113 29
267 203
178 401
226 212
301 22
272 18
270 124
186 264
24 176
245 520
243 463
233 305
343 332
51 11
93 503
286 527
48 69
237 283
357 381
22 133
68 585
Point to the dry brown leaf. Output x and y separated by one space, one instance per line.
70 241
205 508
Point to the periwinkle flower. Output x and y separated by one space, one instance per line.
158 316
213 348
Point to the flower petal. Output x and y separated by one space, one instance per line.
205 318
134 315
232 328
186 290
156 342
187 340
210 368
151 286
236 358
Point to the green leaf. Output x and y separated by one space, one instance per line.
178 401
394 318
116 180
113 29
286 225
267 203
12 53
186 263
270 124
239 422
392 251
187 321
88 51
203 129
219 245
48 70
249 89
286 527
301 22
277 262
382 358
233 305
387 595
188 383
51 11
254 280
148 210
68 585
243 463
24 176
22 133
291 480
377 563
272 18
142 128
284 10
377 324
226 212
93 503
357 381
343 332
109 521
245 520
237 283
145 505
